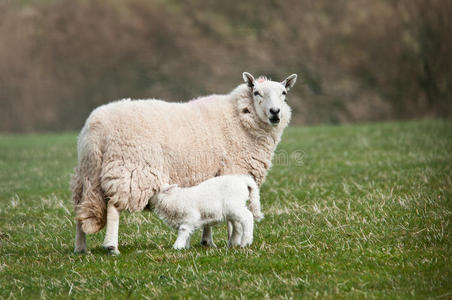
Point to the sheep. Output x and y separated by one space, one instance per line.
128 149
212 201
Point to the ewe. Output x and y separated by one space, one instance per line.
128 149
212 201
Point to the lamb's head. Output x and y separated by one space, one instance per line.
168 189
270 98
165 191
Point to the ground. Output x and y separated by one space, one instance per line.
351 211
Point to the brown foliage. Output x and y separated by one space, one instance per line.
359 60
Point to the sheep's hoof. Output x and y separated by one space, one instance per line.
207 243
260 217
80 251
112 250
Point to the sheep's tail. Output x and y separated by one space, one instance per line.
89 203
255 203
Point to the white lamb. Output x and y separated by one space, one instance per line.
212 201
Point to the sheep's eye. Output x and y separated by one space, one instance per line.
284 93
256 93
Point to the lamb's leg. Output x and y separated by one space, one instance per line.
207 239
247 222
111 235
182 237
236 233
187 243
230 230
80 239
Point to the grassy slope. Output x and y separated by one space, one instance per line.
351 211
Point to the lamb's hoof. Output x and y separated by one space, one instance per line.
80 251
233 244
246 243
112 250
180 246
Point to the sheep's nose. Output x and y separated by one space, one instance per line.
274 111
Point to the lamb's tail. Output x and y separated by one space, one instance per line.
255 203
89 203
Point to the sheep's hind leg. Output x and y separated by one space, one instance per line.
80 239
183 237
235 233
206 239
111 235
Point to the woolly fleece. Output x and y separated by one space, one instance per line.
129 149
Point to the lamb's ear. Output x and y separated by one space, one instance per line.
248 78
289 81
167 188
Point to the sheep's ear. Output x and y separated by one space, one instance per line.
289 81
248 78
167 188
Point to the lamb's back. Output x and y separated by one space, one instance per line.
222 187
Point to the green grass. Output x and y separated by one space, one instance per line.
351 212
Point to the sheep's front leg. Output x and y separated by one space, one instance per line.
183 237
207 239
80 239
111 235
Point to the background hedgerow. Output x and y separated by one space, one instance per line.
360 60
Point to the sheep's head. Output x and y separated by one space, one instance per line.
270 97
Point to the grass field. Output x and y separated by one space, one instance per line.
351 212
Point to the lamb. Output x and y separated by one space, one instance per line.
128 149
212 201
